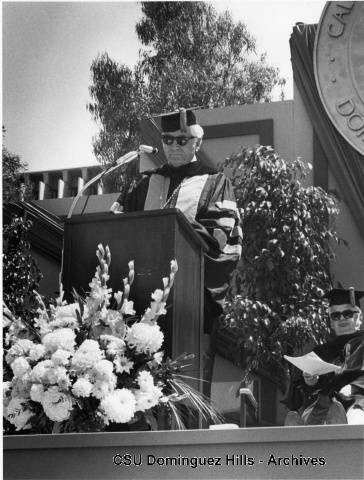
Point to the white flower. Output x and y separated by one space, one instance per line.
37 352
156 308
102 389
42 324
128 307
147 399
115 320
115 345
158 357
145 338
20 367
63 338
19 349
67 310
60 357
20 387
18 414
64 322
123 364
174 266
82 387
6 388
6 394
98 292
119 406
87 355
157 295
56 405
103 370
118 297
37 392
57 375
145 380
39 371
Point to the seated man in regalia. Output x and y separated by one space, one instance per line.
334 398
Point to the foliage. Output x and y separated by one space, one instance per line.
275 303
21 274
94 363
12 168
193 57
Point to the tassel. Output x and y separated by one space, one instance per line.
352 296
183 120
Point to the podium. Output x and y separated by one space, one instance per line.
152 239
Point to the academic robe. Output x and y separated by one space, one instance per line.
207 200
346 351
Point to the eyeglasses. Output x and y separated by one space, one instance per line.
347 314
182 140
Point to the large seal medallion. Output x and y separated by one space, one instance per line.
339 68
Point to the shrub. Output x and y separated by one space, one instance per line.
275 303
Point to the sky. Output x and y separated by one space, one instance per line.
48 48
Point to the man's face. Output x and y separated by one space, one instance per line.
344 319
178 155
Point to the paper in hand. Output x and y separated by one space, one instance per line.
312 364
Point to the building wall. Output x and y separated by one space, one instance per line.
348 265
280 112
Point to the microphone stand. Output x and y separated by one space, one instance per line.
128 157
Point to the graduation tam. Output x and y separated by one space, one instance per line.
183 120
340 296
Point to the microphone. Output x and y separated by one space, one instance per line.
128 157
148 149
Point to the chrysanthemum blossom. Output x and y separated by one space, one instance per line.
145 380
37 392
82 388
61 357
20 367
114 345
56 404
123 364
21 386
19 349
63 338
102 388
145 338
119 406
18 414
39 371
56 375
103 370
37 352
87 355
147 399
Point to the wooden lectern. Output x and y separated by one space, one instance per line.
152 239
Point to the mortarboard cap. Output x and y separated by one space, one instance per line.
340 296
179 120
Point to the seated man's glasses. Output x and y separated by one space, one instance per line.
347 314
181 140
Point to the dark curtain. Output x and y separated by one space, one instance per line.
345 162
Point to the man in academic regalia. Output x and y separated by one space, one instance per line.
335 398
207 200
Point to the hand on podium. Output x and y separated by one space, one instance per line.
116 208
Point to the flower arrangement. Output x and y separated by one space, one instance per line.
92 363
